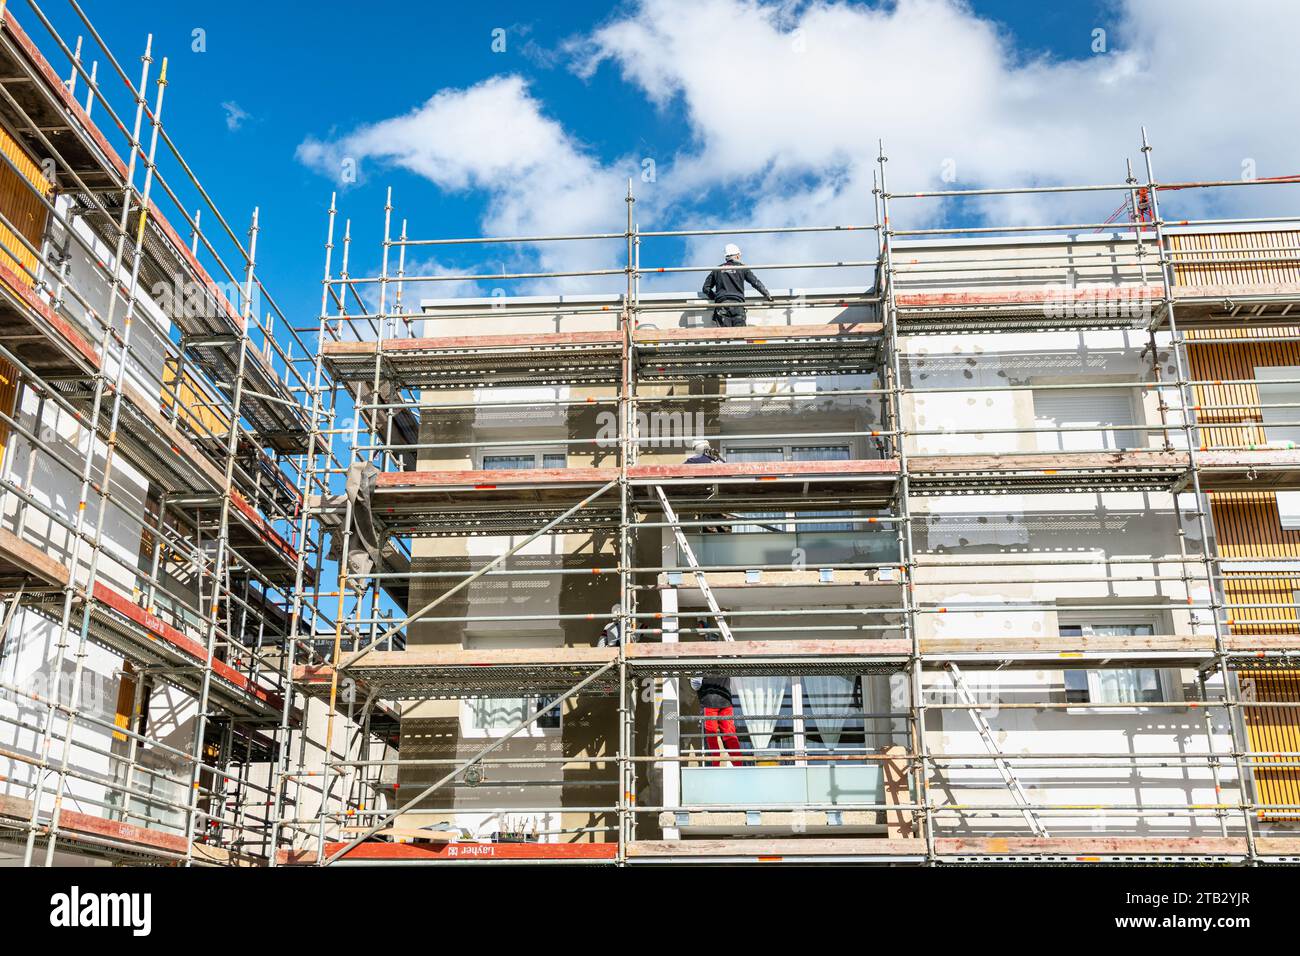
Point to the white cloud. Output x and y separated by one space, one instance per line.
784 104
235 115
495 138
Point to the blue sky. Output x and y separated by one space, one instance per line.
309 69
1000 91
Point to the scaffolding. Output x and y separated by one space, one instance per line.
153 547
324 506
407 380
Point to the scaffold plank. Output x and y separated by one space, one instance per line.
21 563
1082 848
41 338
596 356
1090 650
449 361
134 631
451 672
1234 305
497 485
805 849
849 348
810 647
1094 306
1117 846
776 850
439 852
466 502
1035 308
50 107
1122 470
1266 469
170 456
111 834
252 535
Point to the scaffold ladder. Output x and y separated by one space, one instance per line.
694 565
991 744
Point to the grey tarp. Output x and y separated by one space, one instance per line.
365 538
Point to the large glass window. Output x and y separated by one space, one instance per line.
758 453
1118 685
524 461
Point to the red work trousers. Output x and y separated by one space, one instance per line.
721 719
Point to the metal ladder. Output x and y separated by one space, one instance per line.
1004 768
694 564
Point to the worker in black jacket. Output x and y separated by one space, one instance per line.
726 286
714 692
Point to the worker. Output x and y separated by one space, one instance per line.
704 453
612 635
714 692
726 285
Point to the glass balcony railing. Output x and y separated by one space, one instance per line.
812 548
782 786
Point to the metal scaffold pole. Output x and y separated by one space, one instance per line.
221 568
626 621
907 569
1200 500
103 489
987 505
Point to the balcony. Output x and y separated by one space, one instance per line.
740 787
813 547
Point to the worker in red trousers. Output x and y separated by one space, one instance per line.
714 692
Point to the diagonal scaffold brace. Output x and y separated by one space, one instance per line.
694 564
991 744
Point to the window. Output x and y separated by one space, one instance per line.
1119 685
1094 412
796 716
1280 385
497 716
524 461
752 453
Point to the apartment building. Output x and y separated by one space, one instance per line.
997 548
997 554
152 441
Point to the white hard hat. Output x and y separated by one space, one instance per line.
700 445
732 251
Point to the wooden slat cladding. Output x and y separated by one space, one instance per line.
1247 258
24 216
1229 362
198 410
1247 525
1273 730
22 208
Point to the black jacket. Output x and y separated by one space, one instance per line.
714 691
727 283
